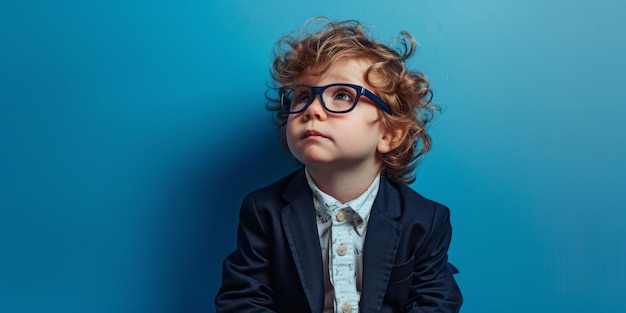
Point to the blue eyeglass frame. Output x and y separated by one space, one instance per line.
319 90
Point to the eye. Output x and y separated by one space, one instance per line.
342 93
301 99
300 96
342 96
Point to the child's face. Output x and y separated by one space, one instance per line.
319 138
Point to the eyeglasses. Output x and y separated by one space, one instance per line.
336 98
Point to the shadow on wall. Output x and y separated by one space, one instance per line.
203 211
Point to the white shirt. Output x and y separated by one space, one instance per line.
343 227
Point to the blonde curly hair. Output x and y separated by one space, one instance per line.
406 92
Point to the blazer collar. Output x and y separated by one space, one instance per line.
379 251
381 244
299 222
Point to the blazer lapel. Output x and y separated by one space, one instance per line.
381 244
299 223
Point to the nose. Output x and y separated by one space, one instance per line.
315 110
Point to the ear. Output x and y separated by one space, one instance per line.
391 140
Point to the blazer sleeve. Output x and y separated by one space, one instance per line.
245 273
434 288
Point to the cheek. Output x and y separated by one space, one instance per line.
289 132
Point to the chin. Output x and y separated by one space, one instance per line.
312 160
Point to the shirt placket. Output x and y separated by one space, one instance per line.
342 262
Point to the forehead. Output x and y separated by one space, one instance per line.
343 70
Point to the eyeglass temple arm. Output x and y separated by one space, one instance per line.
377 100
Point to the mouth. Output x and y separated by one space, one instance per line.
313 134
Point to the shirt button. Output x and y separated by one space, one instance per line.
341 249
346 308
340 216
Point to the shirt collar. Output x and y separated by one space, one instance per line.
357 209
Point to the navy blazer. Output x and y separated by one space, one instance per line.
277 265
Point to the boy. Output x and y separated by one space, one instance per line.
344 233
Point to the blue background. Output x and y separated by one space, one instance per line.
130 131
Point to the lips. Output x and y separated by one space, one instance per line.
313 133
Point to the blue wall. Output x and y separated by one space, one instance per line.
130 131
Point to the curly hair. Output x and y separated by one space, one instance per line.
407 92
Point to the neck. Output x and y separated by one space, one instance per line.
343 184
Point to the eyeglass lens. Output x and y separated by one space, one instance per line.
335 98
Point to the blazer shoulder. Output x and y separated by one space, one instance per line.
415 203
